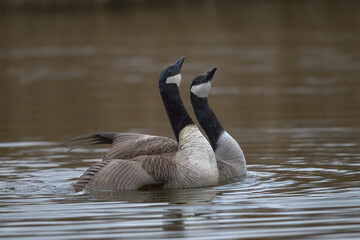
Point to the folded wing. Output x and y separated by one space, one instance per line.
133 161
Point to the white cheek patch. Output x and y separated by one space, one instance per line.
201 90
174 79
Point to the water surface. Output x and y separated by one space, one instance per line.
287 89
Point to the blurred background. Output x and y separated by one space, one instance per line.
72 67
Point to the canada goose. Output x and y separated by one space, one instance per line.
229 156
138 160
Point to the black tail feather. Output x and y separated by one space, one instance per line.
89 140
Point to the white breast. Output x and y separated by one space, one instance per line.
196 159
227 149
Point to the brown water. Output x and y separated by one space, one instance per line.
287 88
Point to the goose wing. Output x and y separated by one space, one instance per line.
130 145
129 174
126 145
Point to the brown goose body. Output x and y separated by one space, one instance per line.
139 160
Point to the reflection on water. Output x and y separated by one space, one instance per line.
286 89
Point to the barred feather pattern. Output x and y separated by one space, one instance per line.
138 160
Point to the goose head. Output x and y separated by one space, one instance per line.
201 85
171 75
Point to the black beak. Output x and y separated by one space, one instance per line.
210 74
178 64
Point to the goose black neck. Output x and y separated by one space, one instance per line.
207 119
175 109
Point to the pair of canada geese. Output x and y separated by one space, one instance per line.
138 161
